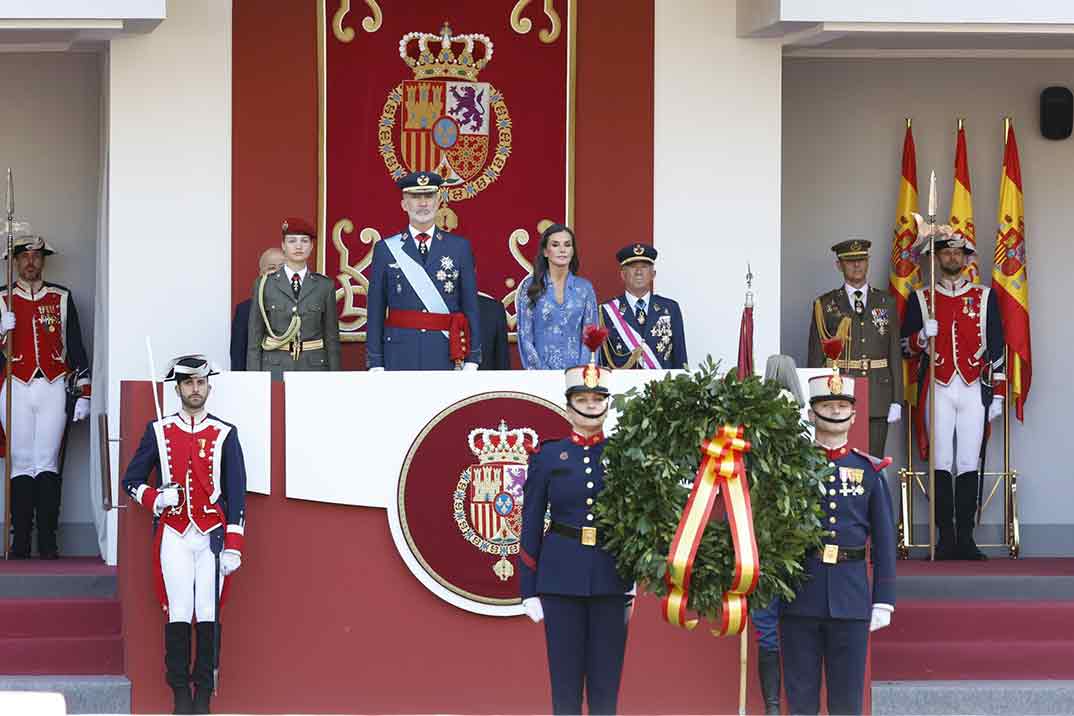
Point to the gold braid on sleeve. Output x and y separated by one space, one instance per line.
842 332
271 341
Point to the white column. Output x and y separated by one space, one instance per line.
717 175
169 268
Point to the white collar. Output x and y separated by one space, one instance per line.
850 293
187 418
290 272
633 300
414 231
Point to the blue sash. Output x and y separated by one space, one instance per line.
417 277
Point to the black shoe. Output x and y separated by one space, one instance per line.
944 508
204 666
18 555
769 673
49 555
966 517
177 664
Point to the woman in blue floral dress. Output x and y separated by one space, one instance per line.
554 304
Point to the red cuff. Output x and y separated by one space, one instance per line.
86 390
527 559
233 541
149 497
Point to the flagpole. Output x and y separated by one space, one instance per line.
1008 498
932 368
10 339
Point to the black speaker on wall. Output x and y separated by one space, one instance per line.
1056 113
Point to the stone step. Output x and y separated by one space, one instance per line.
62 655
83 694
942 698
72 578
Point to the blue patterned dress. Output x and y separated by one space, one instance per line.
550 333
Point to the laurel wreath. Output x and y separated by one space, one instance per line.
651 461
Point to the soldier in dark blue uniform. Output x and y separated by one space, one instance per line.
567 578
827 624
422 303
645 330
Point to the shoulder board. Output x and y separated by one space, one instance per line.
878 463
56 286
665 299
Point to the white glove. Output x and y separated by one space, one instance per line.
881 616
378 369
168 497
996 408
230 560
894 413
7 321
469 367
931 328
81 409
533 608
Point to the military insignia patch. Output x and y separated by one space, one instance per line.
458 508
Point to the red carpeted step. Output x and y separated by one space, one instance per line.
59 618
932 621
973 659
61 655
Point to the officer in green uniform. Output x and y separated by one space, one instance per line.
856 327
293 321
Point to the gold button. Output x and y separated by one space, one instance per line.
585 459
586 447
832 533
831 492
589 518
589 500
589 485
831 464
294 310
831 478
832 520
588 470
832 504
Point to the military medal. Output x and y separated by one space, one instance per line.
201 451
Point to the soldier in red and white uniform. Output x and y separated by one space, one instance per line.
969 379
200 508
48 365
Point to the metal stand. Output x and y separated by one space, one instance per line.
1008 477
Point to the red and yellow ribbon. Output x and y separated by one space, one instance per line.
722 470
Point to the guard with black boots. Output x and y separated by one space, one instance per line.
50 384
199 508
970 384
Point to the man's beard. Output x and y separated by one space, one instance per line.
193 403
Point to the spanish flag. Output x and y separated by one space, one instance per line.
905 276
962 204
1010 279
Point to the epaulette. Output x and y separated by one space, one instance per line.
878 463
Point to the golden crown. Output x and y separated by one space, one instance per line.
503 445
429 63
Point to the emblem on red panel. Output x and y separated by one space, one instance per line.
444 120
487 502
458 510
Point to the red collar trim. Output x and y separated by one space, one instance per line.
582 440
836 453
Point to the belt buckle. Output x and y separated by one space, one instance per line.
589 536
831 554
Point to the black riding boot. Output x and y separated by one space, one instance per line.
203 667
966 516
177 664
945 516
47 490
768 671
22 515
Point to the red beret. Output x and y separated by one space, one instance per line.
298 226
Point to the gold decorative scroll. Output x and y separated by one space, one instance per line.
352 282
519 237
370 23
523 25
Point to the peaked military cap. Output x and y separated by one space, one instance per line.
852 249
635 252
832 386
297 227
190 366
420 183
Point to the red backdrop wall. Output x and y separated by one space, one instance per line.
274 133
324 617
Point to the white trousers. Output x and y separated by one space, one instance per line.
38 416
187 563
959 417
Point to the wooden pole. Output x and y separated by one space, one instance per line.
7 365
743 667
